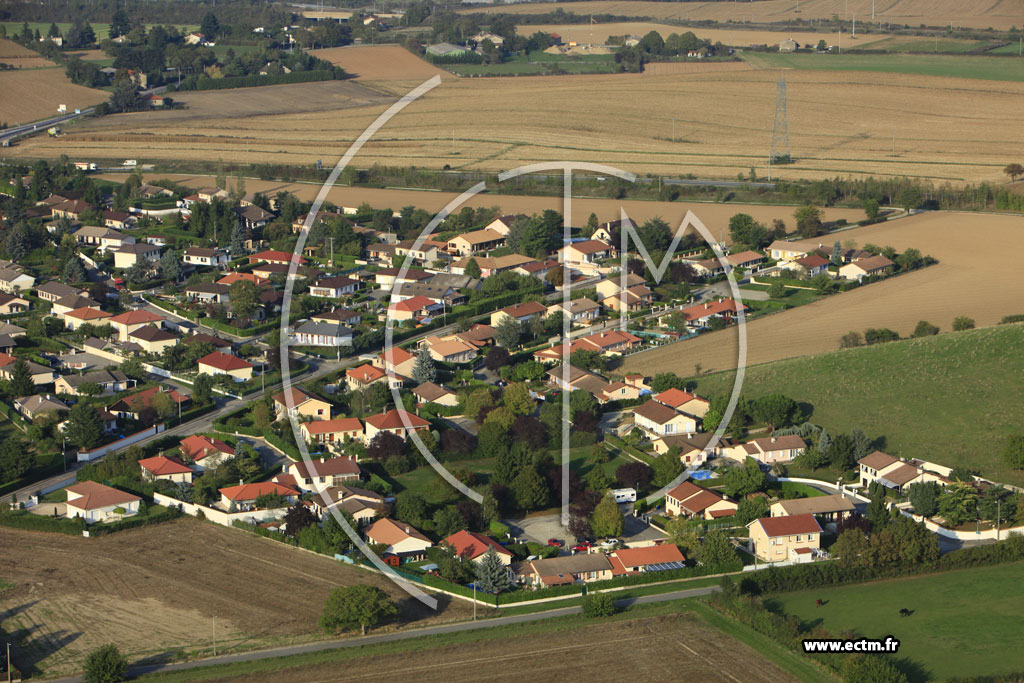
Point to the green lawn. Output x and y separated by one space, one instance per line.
1011 49
429 484
951 399
797 488
964 623
967 66
903 44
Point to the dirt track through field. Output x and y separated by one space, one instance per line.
970 279
680 647
155 591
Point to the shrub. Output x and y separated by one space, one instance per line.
962 322
597 605
105 664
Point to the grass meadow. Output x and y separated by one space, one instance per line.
963 624
951 399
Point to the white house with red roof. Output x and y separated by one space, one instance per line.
769 449
205 451
95 502
167 468
690 500
304 404
583 256
523 312
399 539
85 315
398 422
243 497
367 374
218 363
701 314
396 360
659 420
418 307
472 546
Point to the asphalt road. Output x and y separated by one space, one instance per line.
42 125
404 635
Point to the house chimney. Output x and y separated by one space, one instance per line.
774 439
284 468
240 481
321 459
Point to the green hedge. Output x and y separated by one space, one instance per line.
163 514
274 440
221 424
257 80
22 519
802 576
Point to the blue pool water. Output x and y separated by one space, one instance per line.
701 475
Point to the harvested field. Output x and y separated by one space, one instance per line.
377 63
962 283
154 591
33 94
715 216
673 68
677 647
21 57
733 37
940 132
1000 15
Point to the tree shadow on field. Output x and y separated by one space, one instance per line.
15 611
806 409
915 671
35 644
411 610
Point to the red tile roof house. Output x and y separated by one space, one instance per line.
745 259
650 559
243 497
690 500
367 374
472 546
279 257
133 405
684 402
325 472
206 452
95 502
399 539
418 307
130 321
336 431
167 468
393 421
701 314
218 363
810 265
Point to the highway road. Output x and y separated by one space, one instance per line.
404 635
38 126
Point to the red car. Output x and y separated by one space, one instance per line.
556 543
582 547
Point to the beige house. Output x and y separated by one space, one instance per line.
560 571
523 312
659 420
153 339
858 270
612 285
398 539
684 402
366 375
428 392
396 360
393 421
205 451
218 363
693 448
583 256
325 472
306 405
475 242
795 538
898 474
769 449
579 311
690 500
451 351
336 431
781 250
832 507
85 315
167 468
127 255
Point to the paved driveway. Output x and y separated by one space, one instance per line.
539 529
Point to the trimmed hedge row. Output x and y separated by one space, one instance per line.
165 514
257 80
22 519
801 576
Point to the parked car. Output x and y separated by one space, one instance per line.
609 542
582 547
556 543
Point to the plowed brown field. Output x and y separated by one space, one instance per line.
155 592
966 281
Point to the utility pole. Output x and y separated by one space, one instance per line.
332 250
872 10
474 601
673 129
214 636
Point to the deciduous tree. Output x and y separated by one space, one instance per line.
361 606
